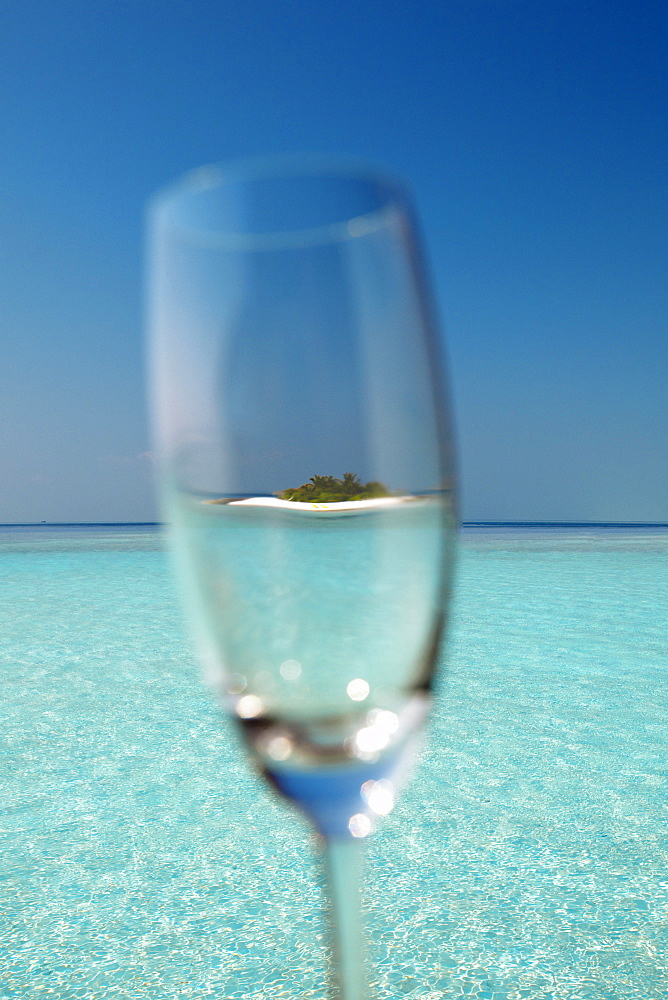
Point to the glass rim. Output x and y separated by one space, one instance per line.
219 174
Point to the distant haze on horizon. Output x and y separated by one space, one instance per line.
532 133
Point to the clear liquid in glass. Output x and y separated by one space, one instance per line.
319 626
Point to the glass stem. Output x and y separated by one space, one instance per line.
343 868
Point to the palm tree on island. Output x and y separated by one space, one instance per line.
327 489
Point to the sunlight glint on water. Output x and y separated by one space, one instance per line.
527 859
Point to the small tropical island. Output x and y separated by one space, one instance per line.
328 489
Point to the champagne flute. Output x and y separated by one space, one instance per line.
305 460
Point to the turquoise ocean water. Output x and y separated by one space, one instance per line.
528 858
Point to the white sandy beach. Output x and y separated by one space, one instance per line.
336 507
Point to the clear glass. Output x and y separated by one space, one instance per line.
305 456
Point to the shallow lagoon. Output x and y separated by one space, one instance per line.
529 858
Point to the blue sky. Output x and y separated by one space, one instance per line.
535 137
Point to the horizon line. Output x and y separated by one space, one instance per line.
463 524
564 524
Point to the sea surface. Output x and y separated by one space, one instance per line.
528 858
